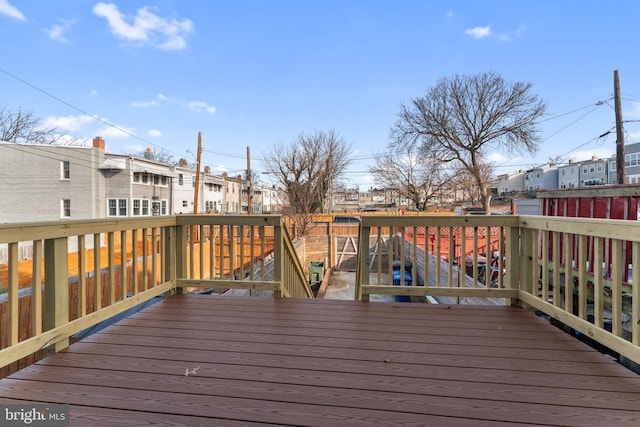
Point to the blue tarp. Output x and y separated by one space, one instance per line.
407 282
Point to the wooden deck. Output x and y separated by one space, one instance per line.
327 362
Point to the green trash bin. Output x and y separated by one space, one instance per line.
316 273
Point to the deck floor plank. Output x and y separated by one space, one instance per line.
321 362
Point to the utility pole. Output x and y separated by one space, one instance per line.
620 172
250 192
196 191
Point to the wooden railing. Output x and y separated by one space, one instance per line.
570 269
233 252
80 273
573 282
552 264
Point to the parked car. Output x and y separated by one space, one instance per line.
342 219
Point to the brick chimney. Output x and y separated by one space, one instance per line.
148 154
98 142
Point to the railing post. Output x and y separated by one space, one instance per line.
169 256
180 254
512 267
526 261
278 258
362 276
13 308
56 289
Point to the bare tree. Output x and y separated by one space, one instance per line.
306 169
21 126
161 156
466 183
414 176
465 117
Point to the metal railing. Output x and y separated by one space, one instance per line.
63 277
571 269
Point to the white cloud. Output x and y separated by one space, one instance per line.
11 11
116 132
144 104
146 27
482 32
478 32
200 106
634 111
57 31
498 158
197 106
68 123
154 133
164 98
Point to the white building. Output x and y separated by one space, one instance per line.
593 172
542 178
48 182
569 175
510 183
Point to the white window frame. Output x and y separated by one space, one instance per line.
65 170
115 207
65 208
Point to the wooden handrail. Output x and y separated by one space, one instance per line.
578 271
122 263
572 269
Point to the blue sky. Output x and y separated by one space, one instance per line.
255 73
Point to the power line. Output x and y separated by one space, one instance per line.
93 116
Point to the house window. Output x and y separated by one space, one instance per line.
66 208
163 207
164 181
145 207
136 207
180 179
145 178
136 177
64 169
156 179
599 168
117 207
